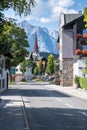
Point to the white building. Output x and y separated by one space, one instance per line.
70 64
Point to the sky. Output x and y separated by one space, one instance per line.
46 13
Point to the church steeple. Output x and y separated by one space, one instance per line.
36 54
36 45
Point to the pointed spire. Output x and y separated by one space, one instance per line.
36 45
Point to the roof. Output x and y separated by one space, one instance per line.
71 18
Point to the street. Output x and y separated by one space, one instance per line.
43 65
48 109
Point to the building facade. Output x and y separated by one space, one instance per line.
70 25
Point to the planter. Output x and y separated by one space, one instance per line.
76 86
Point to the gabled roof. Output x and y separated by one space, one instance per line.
71 18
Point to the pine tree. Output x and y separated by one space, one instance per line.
50 65
40 67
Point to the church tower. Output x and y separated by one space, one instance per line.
36 50
36 45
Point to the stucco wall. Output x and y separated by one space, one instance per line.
67 45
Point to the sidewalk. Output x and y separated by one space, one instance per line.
11 115
81 93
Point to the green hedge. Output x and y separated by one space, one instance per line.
83 82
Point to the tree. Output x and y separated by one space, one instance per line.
50 65
14 39
25 63
23 67
85 17
40 67
56 67
36 70
32 64
20 6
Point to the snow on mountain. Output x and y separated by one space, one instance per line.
47 40
54 33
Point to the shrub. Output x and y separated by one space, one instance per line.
76 79
35 70
83 82
56 81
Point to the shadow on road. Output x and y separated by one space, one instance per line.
57 119
34 93
11 118
42 93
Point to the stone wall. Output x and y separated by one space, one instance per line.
67 72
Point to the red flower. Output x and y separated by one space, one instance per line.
77 51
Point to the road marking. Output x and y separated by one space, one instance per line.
69 105
84 113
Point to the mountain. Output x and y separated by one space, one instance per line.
47 39
45 54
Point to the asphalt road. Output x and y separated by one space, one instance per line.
49 109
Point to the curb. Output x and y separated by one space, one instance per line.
25 115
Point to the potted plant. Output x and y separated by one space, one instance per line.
77 84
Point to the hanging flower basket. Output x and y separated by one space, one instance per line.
84 52
77 51
84 35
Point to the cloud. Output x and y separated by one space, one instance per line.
47 11
60 6
45 20
63 3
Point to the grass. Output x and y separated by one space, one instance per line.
11 83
